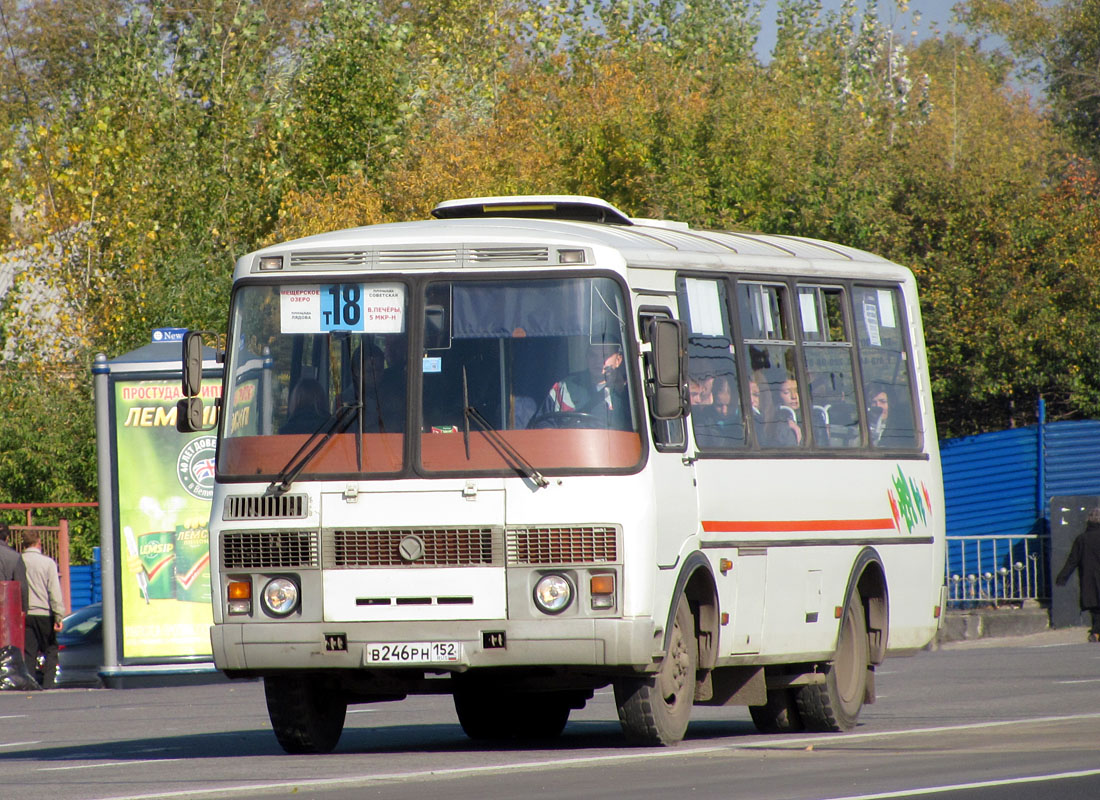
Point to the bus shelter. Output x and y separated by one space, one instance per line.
155 486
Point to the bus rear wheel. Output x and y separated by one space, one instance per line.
654 710
487 715
306 715
835 704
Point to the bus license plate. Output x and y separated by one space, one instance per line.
413 652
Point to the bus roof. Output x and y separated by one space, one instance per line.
529 231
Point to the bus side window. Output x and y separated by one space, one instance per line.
885 364
779 417
828 353
716 415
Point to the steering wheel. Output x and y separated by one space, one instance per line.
566 419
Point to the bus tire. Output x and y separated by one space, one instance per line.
834 705
487 715
306 715
654 710
779 714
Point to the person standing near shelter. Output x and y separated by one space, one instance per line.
11 564
45 607
1084 556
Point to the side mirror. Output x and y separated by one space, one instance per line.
189 415
668 389
192 363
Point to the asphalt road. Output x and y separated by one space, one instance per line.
1008 718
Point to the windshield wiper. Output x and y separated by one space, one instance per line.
306 452
515 460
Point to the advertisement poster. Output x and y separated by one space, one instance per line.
165 482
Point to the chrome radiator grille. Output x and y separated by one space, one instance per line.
423 547
269 549
581 544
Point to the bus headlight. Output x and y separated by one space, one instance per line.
280 596
553 594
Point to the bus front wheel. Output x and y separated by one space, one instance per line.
306 715
654 710
834 705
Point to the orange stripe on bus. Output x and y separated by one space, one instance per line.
793 525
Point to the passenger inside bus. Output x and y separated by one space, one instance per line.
719 424
701 392
887 430
789 412
307 407
757 412
781 425
595 397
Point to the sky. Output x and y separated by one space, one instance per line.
934 15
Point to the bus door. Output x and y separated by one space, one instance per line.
673 475
718 438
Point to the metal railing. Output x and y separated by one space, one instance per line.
996 570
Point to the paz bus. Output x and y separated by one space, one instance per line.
533 447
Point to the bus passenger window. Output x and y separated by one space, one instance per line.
884 359
715 396
779 417
828 353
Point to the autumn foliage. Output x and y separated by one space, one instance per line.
147 144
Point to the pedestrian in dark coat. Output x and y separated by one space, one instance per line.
1084 556
11 565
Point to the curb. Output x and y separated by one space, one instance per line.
993 622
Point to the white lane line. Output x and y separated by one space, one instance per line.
962 787
18 744
109 764
774 742
12 716
1082 680
361 710
781 743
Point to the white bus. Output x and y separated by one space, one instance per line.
534 447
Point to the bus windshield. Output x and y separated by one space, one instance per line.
512 375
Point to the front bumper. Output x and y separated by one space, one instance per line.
259 647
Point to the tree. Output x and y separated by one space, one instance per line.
1062 40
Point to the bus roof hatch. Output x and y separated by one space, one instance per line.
556 206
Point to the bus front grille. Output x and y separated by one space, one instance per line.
581 544
284 506
414 547
269 549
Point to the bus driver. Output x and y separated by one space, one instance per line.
597 392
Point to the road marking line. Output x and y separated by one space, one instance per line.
109 764
774 742
1082 680
781 743
12 716
18 744
961 787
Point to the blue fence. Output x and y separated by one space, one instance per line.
85 584
997 488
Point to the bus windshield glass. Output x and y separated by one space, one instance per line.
512 375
